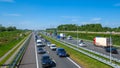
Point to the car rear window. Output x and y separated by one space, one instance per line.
45 57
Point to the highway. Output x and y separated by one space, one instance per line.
28 60
33 60
61 62
92 47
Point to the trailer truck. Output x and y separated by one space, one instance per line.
62 36
102 41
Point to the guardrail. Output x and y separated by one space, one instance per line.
88 54
19 55
106 56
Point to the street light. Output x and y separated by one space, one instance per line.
77 34
110 47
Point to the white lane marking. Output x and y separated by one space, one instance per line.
74 62
36 53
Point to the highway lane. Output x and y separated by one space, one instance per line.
95 48
61 62
28 60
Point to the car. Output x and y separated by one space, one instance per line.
61 52
82 44
48 43
40 50
46 61
69 37
40 44
80 41
53 47
112 49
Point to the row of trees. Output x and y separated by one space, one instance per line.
87 27
10 28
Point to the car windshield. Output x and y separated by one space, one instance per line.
46 57
39 42
40 49
82 43
53 46
61 50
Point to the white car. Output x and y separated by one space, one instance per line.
53 47
82 44
69 37
39 44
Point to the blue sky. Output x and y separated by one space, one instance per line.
41 14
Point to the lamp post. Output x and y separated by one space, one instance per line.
63 32
110 47
77 34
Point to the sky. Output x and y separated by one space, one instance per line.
41 14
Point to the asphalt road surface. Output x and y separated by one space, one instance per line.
29 60
33 60
61 62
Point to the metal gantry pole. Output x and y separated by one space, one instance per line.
110 47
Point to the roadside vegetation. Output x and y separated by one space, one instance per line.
9 37
83 60
86 29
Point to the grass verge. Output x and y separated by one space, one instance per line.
10 54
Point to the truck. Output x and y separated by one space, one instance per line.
102 41
62 35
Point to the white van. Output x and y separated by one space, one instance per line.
39 42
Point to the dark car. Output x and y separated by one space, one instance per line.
46 41
40 50
61 52
46 61
112 49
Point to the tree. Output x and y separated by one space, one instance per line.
11 28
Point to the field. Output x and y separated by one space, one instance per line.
9 39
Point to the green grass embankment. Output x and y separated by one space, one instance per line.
9 39
17 42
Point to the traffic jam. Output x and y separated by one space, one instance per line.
46 60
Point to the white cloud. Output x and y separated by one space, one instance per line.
7 1
12 15
96 19
117 4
